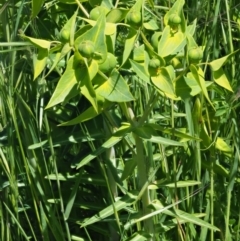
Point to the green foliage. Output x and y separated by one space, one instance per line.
86 48
154 63
119 120
154 67
64 35
95 3
155 40
134 18
109 64
174 19
195 55
97 11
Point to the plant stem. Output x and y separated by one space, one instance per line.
82 8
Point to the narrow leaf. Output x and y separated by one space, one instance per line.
83 77
90 112
175 132
39 43
180 184
65 85
40 62
148 133
193 219
72 197
129 44
117 137
125 201
199 77
164 141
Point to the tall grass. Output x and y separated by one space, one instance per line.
130 188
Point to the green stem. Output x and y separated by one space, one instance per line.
153 99
230 37
82 8
142 168
57 176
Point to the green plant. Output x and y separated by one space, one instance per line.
155 40
174 19
109 64
95 3
86 48
97 11
121 152
154 63
154 66
176 63
64 35
195 54
134 18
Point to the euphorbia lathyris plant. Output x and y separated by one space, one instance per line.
111 52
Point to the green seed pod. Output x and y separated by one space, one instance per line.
134 18
64 35
97 11
174 19
154 63
195 55
109 64
86 48
154 67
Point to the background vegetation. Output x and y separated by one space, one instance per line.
144 149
